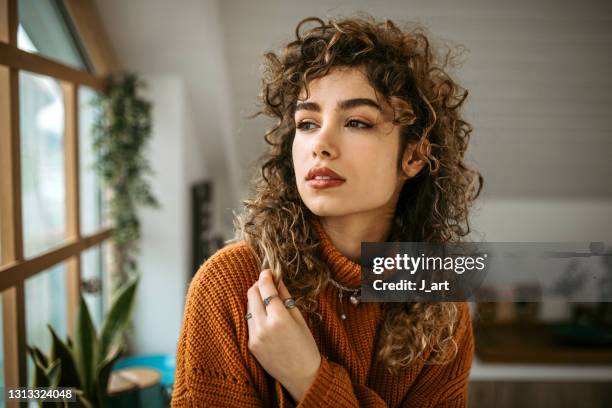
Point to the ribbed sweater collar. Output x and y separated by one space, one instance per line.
343 270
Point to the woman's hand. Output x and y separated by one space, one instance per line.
279 337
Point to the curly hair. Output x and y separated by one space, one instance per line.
402 66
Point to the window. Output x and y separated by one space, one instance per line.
92 191
53 229
45 303
43 192
44 29
94 263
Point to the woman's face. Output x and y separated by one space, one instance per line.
345 149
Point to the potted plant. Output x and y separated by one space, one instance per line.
85 361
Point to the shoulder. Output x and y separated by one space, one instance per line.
234 261
228 274
463 321
464 335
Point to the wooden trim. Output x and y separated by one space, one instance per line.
10 155
12 274
4 19
13 302
71 165
8 21
73 291
13 305
22 60
71 159
90 31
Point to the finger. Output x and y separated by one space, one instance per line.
249 321
255 306
294 312
267 288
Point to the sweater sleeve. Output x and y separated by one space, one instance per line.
333 387
212 367
439 386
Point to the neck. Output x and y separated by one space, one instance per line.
349 231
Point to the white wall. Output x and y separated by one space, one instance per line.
165 259
184 38
179 49
542 220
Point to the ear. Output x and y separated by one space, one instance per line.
412 162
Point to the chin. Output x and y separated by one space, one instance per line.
328 207
324 207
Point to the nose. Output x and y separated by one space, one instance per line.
324 146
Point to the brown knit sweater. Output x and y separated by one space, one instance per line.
216 369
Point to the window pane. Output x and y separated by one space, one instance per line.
93 204
43 29
45 303
42 162
92 273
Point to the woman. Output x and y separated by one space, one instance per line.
368 146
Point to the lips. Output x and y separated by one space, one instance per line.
323 173
322 177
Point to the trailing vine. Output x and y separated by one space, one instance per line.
121 132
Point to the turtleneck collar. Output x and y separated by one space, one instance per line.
343 270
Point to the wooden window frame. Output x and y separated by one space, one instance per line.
14 269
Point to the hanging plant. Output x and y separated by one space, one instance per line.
121 132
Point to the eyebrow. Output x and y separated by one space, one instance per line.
342 105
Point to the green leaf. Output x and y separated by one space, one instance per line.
38 356
69 376
85 347
39 377
103 375
83 399
117 319
120 133
52 372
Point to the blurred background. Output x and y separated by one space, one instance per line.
540 103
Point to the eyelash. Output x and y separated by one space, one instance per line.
362 125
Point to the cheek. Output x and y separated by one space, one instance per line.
300 157
296 154
377 170
379 162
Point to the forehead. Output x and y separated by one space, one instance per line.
339 84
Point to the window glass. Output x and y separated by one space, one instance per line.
93 203
42 163
45 303
92 274
44 29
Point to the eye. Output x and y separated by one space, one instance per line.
356 123
306 125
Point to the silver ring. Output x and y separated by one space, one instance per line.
289 303
268 300
248 316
